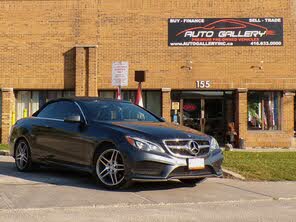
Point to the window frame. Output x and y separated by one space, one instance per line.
280 111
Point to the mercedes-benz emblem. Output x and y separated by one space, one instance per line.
193 147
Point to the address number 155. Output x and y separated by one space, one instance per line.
203 84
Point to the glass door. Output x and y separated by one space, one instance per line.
206 111
214 119
205 115
191 113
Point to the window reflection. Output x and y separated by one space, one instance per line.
264 110
151 98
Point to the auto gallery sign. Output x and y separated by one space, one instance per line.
225 32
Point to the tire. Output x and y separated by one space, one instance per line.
192 182
109 168
23 160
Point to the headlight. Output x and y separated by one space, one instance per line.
214 144
145 145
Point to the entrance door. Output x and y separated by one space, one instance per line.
214 119
207 114
191 113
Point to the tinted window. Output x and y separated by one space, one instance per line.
117 111
60 110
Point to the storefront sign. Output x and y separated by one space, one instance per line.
225 32
189 107
119 73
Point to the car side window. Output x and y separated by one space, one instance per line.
48 111
60 110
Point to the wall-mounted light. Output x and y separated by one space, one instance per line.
188 65
260 66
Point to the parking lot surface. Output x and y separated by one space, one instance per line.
62 195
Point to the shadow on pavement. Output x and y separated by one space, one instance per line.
69 177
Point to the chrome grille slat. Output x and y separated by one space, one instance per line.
180 148
186 147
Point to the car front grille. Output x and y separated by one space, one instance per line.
184 171
149 168
180 147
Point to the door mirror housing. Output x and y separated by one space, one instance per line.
163 119
73 119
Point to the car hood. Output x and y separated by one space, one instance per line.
161 130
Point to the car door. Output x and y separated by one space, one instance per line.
39 138
66 142
41 133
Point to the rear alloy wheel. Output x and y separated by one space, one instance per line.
110 169
23 160
192 182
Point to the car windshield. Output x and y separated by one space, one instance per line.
117 111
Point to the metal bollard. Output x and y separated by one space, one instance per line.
25 113
12 118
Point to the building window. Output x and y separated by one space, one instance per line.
28 102
151 98
264 110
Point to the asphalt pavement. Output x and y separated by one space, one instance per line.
62 195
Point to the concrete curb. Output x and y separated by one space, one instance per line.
230 174
4 153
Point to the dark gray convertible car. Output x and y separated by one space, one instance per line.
117 141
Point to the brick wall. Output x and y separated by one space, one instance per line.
86 71
137 32
8 101
39 35
39 38
166 104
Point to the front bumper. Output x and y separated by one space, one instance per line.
144 166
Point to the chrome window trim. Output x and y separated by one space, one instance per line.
185 147
81 112
45 118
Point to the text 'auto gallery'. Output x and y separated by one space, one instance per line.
205 67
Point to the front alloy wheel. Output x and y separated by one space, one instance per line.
110 169
23 156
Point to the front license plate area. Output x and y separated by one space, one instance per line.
196 164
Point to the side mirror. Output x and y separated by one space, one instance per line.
163 119
73 119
